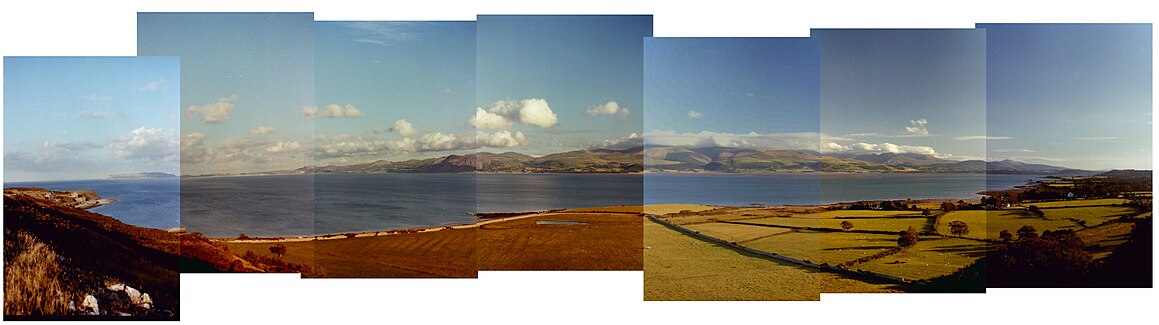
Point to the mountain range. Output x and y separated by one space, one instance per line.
681 159
739 160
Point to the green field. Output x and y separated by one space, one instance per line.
1075 203
990 223
736 233
680 267
857 214
932 257
877 224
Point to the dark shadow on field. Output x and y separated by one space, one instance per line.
965 250
858 248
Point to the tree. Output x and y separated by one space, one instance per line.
948 207
925 212
846 225
279 250
242 236
1005 235
959 228
1055 259
1036 211
907 238
1027 232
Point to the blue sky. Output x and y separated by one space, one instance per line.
412 82
559 83
68 118
1071 95
247 85
904 91
736 92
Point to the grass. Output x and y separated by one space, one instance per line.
32 278
737 233
680 267
662 209
858 214
877 224
603 242
933 256
1075 203
446 253
989 224
1102 240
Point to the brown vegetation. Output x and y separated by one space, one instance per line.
32 277
605 241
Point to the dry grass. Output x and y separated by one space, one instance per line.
602 242
930 258
32 278
445 253
1075 203
662 209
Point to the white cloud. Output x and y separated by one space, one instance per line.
609 108
504 113
771 141
381 33
93 114
404 128
694 114
152 85
917 127
484 120
262 130
1014 150
981 137
331 111
216 112
501 139
147 144
631 141
284 146
193 148
863 147
72 147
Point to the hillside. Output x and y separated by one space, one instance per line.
580 161
99 265
738 160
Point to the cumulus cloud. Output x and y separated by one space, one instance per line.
262 130
93 114
981 137
504 113
331 111
284 146
753 140
147 144
917 127
694 114
501 139
631 141
193 149
609 108
215 112
404 128
862 147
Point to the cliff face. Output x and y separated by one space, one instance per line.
93 259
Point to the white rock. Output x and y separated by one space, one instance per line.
117 287
89 306
134 295
146 301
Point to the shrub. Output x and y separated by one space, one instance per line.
32 284
846 225
242 236
907 238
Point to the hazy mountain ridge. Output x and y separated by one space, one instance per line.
579 161
736 160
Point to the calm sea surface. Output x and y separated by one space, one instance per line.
805 189
296 205
153 203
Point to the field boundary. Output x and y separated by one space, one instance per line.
823 267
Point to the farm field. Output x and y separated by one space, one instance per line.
933 256
598 241
875 224
988 224
447 253
1075 203
680 267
